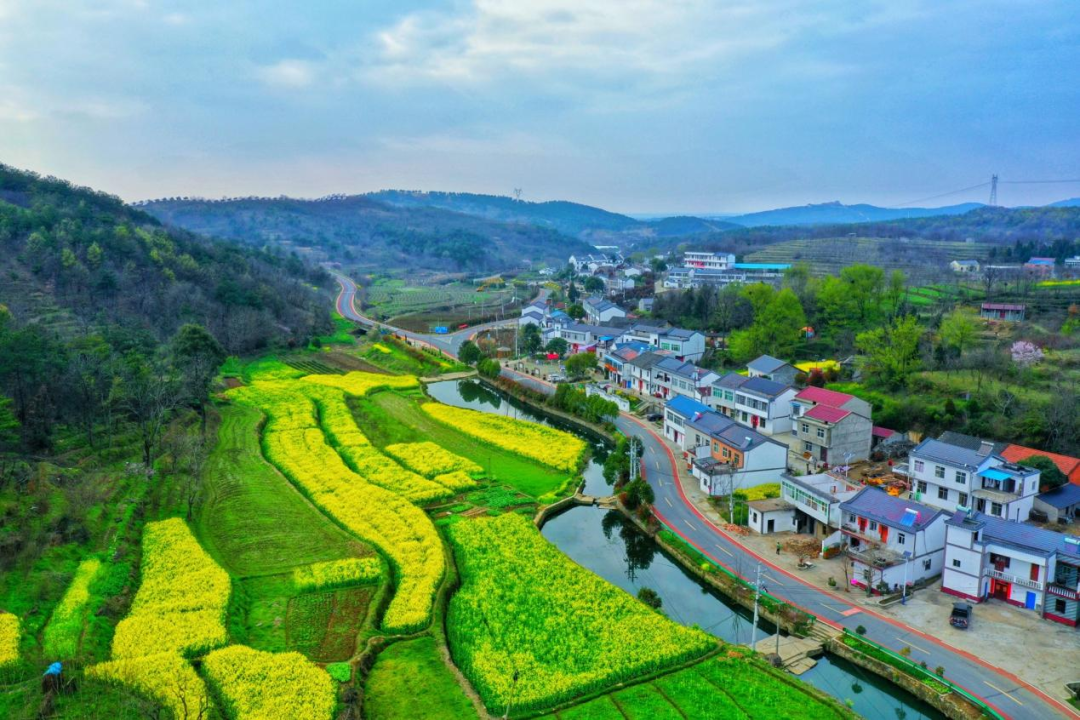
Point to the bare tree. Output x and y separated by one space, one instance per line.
148 392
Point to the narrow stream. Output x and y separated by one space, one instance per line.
609 545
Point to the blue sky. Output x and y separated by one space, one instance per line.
633 105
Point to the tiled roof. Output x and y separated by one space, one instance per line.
1068 465
882 432
1001 306
687 407
876 504
1020 535
711 423
764 386
731 381
766 364
648 360
970 442
742 438
821 396
955 455
680 333
1062 497
826 413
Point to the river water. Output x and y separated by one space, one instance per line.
609 545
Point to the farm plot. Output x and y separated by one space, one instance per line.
260 686
730 686
409 680
64 630
9 639
525 608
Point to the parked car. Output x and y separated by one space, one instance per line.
961 616
654 417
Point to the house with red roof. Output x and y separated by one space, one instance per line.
829 428
1069 466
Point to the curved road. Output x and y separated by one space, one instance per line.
1008 694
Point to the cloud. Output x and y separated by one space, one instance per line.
288 74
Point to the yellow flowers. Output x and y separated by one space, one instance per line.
9 638
456 480
179 609
335 573
180 604
267 686
525 607
296 445
166 677
361 383
382 348
430 459
822 365
65 626
538 442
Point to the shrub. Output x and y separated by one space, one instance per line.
340 671
861 630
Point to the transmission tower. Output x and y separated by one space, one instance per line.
517 193
993 190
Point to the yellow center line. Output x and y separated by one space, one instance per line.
1003 692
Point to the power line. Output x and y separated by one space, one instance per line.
953 192
992 183
1040 182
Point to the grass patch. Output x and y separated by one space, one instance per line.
409 680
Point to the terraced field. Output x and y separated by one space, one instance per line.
827 256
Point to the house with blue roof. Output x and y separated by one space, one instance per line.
891 541
989 558
1060 505
677 412
949 476
756 402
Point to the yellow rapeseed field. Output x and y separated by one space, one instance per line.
544 444
258 685
335 573
65 626
430 459
9 638
361 383
167 677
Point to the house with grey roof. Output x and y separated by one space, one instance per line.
756 402
1060 505
684 344
638 372
599 311
724 455
773 369
989 558
952 476
891 541
672 377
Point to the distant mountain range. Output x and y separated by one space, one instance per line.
837 212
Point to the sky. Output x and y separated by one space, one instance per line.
639 106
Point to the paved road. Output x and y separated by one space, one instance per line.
1009 695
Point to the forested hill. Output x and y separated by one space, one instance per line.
75 260
582 221
836 212
363 230
1003 226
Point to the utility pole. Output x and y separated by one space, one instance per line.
757 598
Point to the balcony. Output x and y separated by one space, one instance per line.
1062 591
1022 582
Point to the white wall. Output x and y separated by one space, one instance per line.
783 520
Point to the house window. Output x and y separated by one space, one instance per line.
995 509
1059 605
956 563
939 472
805 428
726 452
919 465
873 525
961 477
851 517
808 447
821 432
922 486
943 493
962 499
926 564
901 538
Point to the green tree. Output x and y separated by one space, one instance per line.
593 284
531 339
658 265
759 295
865 283
580 364
959 329
469 353
836 306
576 311
557 346
890 353
896 292
197 355
489 368
776 329
1050 476
650 597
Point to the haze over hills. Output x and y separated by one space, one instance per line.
837 212
73 258
366 230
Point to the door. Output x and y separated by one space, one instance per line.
1029 602
999 589
771 525
980 505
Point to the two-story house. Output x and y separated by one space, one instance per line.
677 412
950 476
599 311
686 345
829 428
672 376
756 402
708 260
988 557
892 541
581 337
614 361
723 455
773 369
816 500
639 372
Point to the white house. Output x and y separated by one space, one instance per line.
829 428
987 557
962 267
708 260
723 455
949 476
770 515
758 403
588 263
684 344
677 412
638 372
773 369
672 376
890 540
584 338
816 500
598 310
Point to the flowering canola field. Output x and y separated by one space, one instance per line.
544 444
335 573
258 685
525 606
430 459
65 626
9 638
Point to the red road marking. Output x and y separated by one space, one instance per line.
895 623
